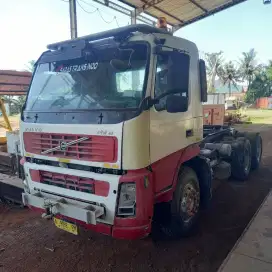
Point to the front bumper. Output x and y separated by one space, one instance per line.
92 211
50 191
83 215
87 213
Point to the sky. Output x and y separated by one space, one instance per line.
27 26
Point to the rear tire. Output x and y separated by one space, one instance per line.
185 205
256 149
241 159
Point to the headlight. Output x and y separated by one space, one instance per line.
127 199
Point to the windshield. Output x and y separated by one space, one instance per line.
104 79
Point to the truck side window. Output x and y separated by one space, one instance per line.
172 74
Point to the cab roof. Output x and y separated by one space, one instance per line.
120 32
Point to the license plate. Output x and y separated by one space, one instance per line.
61 224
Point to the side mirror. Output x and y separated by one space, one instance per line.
176 103
203 81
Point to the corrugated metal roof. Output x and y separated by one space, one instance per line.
14 82
181 12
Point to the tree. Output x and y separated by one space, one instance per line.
214 63
230 75
15 104
248 66
30 66
269 70
261 86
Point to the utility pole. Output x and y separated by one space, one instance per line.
73 19
133 16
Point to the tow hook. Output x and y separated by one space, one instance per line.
48 211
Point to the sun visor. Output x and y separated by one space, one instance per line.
64 52
52 56
74 50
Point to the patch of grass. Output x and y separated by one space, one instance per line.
259 116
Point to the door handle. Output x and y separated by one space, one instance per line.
189 133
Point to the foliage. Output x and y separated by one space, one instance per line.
214 63
230 75
257 76
30 66
269 70
15 103
248 66
261 86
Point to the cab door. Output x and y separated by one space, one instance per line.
173 130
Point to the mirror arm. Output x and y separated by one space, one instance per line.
148 102
165 94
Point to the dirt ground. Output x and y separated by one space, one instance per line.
29 243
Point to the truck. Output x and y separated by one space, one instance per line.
112 135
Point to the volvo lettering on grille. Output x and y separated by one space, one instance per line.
64 145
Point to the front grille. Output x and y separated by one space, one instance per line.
92 148
70 182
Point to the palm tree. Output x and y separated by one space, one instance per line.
30 66
15 103
248 66
214 63
230 75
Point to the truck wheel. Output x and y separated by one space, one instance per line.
256 149
241 159
185 205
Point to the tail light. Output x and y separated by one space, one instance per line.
127 200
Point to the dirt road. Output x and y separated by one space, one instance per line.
28 243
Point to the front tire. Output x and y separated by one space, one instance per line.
185 205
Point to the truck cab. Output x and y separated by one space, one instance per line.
111 123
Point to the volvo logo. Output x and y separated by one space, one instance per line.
63 146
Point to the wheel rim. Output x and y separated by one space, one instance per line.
258 149
189 202
247 159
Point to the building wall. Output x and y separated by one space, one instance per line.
264 103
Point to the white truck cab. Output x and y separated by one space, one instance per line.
112 128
